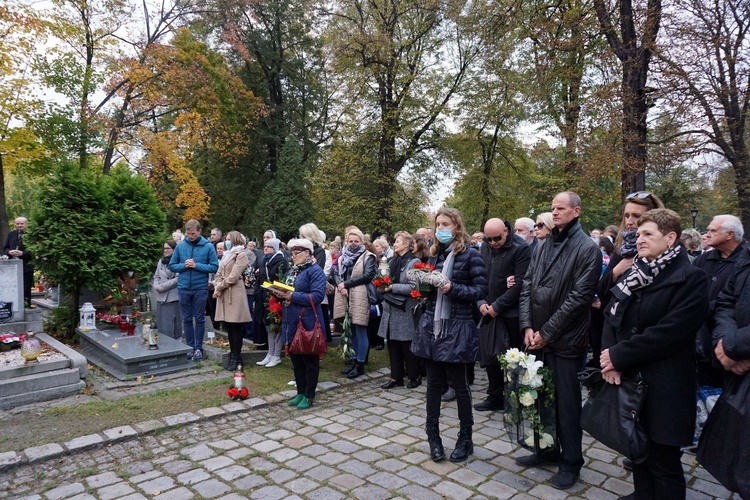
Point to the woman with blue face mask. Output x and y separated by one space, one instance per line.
356 268
446 336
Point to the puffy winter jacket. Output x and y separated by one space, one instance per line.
206 262
558 289
310 282
460 343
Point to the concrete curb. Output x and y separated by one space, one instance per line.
36 454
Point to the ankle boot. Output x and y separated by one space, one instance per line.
437 453
359 369
349 366
464 445
233 362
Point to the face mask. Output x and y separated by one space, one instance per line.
353 248
444 235
227 245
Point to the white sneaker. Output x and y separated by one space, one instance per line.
275 360
265 360
292 382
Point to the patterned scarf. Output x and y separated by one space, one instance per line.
348 258
296 269
641 275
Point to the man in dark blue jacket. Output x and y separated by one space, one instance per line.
194 259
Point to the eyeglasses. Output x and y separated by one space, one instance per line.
642 195
539 225
494 238
295 253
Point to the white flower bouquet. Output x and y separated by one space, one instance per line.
529 401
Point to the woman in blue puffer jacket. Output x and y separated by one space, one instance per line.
446 335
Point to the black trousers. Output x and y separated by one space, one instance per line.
235 333
568 408
455 374
28 282
403 361
661 475
306 372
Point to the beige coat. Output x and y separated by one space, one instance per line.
359 306
231 306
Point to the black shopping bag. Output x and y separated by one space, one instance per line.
493 340
723 448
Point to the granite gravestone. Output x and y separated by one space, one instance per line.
11 291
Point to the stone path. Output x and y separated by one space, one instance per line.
357 441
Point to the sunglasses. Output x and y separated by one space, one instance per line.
539 225
494 238
642 195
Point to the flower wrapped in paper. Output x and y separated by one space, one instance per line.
529 402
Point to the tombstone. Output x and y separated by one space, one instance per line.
11 291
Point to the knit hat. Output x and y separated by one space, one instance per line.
274 243
301 243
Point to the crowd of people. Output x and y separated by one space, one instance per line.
637 299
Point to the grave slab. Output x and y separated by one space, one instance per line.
125 357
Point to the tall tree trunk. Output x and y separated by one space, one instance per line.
4 222
634 127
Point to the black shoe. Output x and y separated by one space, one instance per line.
534 461
392 383
378 347
357 370
448 395
488 405
627 497
464 446
233 362
414 383
437 452
627 464
564 480
349 366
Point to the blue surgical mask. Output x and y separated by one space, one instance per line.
227 245
444 235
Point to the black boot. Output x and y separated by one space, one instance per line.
233 362
349 366
464 446
437 453
357 370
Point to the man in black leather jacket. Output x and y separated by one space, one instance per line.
557 292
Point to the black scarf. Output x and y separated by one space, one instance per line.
628 248
397 261
641 275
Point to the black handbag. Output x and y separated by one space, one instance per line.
611 413
398 301
374 297
722 450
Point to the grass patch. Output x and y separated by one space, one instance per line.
63 423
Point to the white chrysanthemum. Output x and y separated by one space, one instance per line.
513 357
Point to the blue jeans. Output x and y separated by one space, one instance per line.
360 342
193 307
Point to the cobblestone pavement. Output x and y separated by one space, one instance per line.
357 441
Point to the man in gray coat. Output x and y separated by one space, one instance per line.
557 292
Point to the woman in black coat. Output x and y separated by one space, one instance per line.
656 310
446 336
